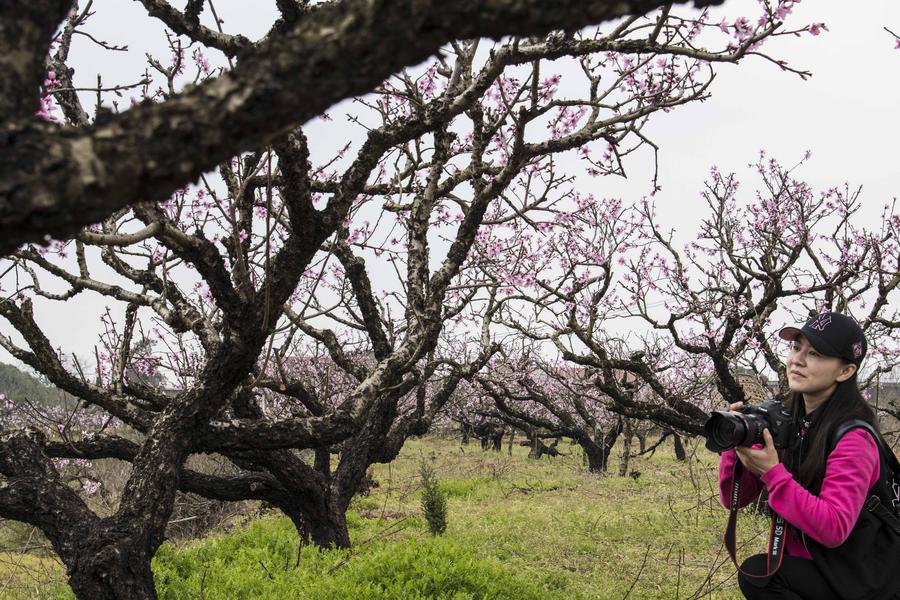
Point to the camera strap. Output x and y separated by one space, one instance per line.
776 533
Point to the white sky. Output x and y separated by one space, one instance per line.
845 114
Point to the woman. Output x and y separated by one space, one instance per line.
819 494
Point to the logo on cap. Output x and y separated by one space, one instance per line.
857 350
820 322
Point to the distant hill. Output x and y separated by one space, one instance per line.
17 384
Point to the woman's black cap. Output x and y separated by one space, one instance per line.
832 334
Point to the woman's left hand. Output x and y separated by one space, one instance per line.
759 460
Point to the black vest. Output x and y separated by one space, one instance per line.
867 565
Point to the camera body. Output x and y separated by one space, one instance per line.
725 430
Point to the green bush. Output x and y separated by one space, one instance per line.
420 569
263 562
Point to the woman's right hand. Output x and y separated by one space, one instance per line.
761 457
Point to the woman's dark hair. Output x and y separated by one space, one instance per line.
845 403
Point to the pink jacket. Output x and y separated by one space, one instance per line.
851 471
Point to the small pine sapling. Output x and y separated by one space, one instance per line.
434 502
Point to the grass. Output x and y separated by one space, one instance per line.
517 528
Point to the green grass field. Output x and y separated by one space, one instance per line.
517 528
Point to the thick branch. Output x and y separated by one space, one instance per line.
245 486
189 25
55 181
27 31
259 434
32 491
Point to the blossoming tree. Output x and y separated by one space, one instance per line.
695 313
236 281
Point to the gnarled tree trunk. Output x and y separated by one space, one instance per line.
110 565
626 447
597 450
680 453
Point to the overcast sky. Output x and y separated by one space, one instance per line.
846 114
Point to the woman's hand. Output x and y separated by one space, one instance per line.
759 460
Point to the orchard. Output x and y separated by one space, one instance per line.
304 247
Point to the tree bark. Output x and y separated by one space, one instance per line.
105 558
626 447
109 565
466 431
27 30
325 527
597 451
536 446
597 456
680 453
491 436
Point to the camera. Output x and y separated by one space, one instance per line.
725 430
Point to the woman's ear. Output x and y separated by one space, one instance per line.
846 373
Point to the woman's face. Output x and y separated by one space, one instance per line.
810 372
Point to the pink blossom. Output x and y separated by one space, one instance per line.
816 28
427 83
783 10
548 87
91 487
46 109
201 62
742 29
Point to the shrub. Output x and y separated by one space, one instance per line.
263 562
434 502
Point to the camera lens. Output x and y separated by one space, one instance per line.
724 433
755 425
724 430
